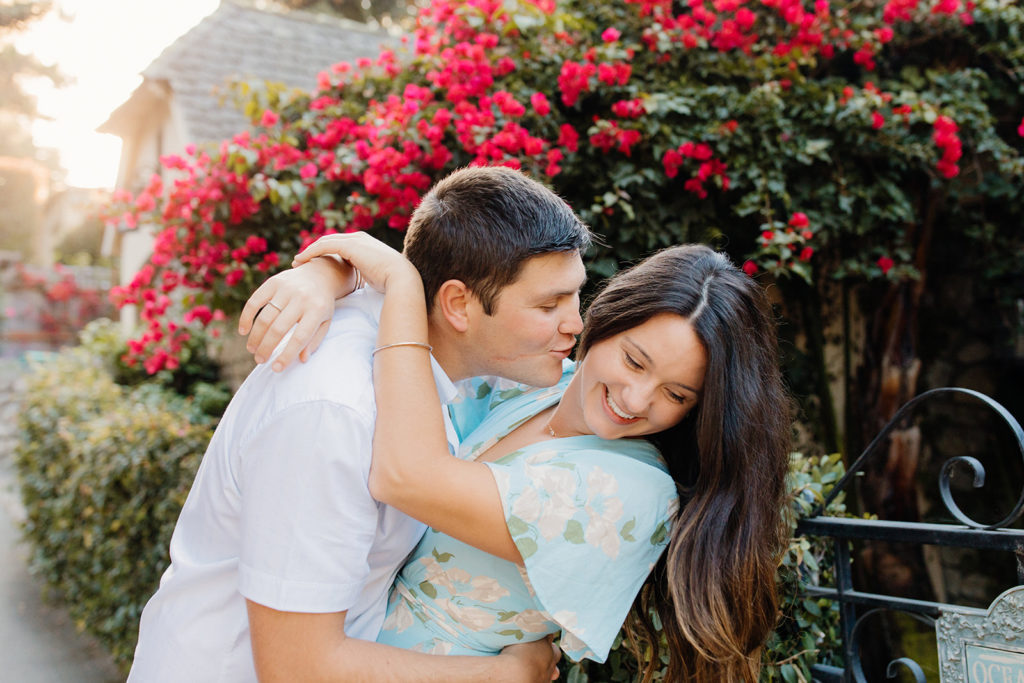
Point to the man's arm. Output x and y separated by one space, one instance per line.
294 647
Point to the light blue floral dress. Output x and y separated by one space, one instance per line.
590 518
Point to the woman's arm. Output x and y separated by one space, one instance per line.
412 468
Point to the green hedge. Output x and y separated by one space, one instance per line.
105 468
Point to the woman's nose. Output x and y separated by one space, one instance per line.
636 397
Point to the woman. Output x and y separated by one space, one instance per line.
679 350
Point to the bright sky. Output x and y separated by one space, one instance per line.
102 47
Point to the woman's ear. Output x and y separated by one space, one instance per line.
452 302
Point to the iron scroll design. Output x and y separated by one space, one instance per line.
972 534
973 464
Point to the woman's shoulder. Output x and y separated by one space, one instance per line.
637 457
632 469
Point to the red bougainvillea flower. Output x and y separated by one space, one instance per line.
1020 128
945 138
540 104
799 220
806 253
269 119
611 34
749 267
885 263
877 120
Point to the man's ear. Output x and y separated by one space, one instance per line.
453 301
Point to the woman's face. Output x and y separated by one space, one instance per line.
643 380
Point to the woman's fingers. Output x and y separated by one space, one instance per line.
257 300
307 332
327 245
292 298
274 322
314 343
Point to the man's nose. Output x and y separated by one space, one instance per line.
573 322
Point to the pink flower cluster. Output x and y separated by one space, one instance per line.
477 88
783 246
946 139
708 167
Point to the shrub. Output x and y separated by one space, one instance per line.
104 471
194 374
820 140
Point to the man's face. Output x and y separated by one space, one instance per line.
534 322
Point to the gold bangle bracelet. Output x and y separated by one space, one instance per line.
428 347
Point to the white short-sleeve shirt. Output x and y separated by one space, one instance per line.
280 513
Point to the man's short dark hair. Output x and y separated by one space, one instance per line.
480 224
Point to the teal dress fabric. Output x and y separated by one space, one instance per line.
590 518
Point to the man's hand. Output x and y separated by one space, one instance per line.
301 297
539 659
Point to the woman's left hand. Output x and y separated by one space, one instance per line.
376 261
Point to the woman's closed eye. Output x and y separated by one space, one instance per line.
676 398
630 362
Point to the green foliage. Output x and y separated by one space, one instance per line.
197 376
808 629
104 471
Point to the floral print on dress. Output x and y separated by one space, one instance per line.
590 518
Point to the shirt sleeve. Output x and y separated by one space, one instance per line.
307 518
588 524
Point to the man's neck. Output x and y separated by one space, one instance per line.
448 352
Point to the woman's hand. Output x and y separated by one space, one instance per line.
301 297
377 262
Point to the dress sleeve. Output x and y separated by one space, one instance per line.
590 524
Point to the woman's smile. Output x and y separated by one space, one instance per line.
613 407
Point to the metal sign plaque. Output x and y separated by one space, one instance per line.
979 646
994 665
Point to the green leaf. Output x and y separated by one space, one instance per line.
574 532
516 633
526 546
428 589
516 526
660 534
812 607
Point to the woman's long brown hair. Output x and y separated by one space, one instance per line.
714 587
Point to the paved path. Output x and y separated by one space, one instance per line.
38 642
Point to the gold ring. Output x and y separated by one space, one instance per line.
271 303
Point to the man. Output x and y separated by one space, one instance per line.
281 560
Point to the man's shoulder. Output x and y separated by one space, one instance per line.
340 371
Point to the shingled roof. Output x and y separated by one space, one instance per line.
243 43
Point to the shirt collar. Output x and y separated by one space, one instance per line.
446 390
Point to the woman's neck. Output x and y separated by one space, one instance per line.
567 417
